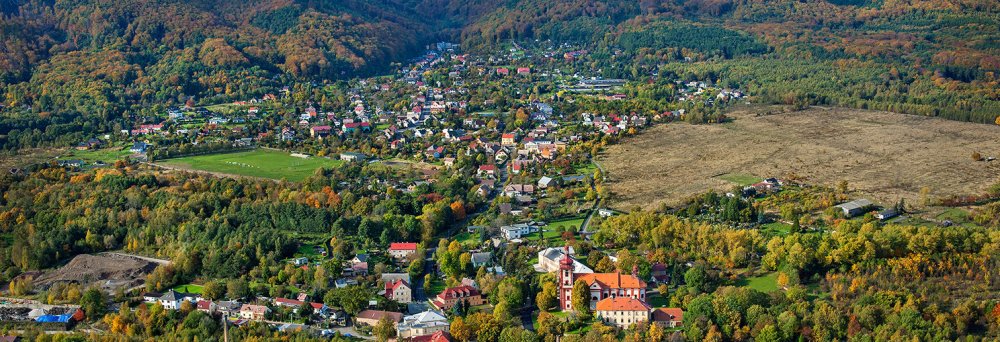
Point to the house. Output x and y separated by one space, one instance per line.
512 190
90 144
855 207
605 213
523 71
468 295
172 299
601 285
887 214
503 71
481 259
508 139
151 297
301 261
320 131
517 231
668 317
228 308
371 317
355 126
621 312
139 147
658 273
440 336
391 277
352 156
424 323
398 290
548 261
253 312
400 250
487 170
206 306
544 182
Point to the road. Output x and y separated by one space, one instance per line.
597 202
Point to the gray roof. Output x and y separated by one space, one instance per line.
856 204
479 258
388 277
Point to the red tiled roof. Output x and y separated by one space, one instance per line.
288 302
403 246
613 280
458 292
377 315
621 304
439 336
668 315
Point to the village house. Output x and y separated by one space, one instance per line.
668 317
253 312
371 317
517 231
320 132
398 290
481 259
512 190
424 323
468 295
400 250
508 139
391 277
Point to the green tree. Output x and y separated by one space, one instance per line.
93 304
581 298
384 329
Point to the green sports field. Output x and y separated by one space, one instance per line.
256 163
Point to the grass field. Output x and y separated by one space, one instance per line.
764 283
107 155
883 156
188 288
776 228
256 163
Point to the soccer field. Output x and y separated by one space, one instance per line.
257 163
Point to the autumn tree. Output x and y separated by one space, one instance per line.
581 298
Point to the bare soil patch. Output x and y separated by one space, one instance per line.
884 156
108 271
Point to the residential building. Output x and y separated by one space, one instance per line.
450 296
391 277
668 317
253 312
481 259
440 336
398 290
400 250
371 317
424 323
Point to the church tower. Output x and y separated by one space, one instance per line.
565 281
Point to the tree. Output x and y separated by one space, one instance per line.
976 156
93 304
237 289
697 278
384 329
546 298
213 290
549 325
581 298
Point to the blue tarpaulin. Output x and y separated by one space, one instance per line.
54 318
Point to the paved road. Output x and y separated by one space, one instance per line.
584 227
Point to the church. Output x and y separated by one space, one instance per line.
602 285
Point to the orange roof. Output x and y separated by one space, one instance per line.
403 246
621 304
613 280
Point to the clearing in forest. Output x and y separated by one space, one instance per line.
257 163
883 156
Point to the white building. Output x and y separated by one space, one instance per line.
548 261
424 323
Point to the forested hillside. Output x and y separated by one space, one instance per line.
103 57
935 57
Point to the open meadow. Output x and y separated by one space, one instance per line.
257 163
884 156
